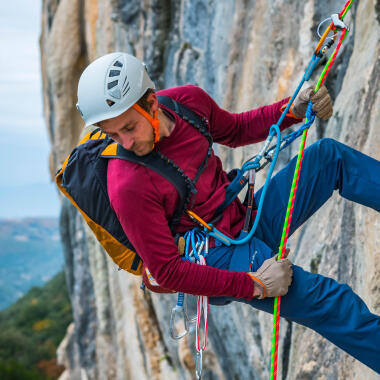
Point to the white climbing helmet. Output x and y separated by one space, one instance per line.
110 85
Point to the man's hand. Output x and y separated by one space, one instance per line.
321 100
273 278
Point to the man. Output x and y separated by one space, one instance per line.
116 93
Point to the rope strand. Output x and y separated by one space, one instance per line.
293 191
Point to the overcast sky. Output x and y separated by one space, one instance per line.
25 186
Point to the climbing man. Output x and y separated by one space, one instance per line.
116 94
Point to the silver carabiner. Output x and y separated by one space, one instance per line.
338 23
206 245
191 254
173 320
190 320
198 364
200 248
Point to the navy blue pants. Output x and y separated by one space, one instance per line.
315 301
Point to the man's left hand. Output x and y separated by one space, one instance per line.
321 100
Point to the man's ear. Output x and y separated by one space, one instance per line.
152 99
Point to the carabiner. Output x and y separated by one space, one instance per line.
190 320
173 320
198 364
338 23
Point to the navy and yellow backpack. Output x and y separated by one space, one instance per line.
83 180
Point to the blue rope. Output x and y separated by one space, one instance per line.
275 129
180 299
288 139
240 181
195 237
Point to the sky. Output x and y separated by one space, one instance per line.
25 186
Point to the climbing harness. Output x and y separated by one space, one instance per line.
197 239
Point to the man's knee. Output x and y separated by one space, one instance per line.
326 151
312 296
327 144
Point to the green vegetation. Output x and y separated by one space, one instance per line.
31 330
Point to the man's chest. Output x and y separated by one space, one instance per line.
186 147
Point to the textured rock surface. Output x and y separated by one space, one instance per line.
245 53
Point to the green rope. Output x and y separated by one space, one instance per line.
277 300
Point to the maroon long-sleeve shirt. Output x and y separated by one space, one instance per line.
145 202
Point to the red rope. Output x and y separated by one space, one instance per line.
344 9
334 55
282 255
274 373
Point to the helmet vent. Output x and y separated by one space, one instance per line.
110 102
125 87
118 64
112 84
114 73
126 90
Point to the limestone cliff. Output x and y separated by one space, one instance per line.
244 53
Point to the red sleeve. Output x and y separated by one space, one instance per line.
232 129
239 129
142 216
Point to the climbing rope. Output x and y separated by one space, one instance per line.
337 23
196 246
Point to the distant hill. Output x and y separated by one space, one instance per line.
30 254
31 330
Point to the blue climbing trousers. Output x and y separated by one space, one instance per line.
315 301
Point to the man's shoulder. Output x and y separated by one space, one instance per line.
189 95
178 91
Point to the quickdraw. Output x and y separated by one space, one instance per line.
202 307
197 239
196 251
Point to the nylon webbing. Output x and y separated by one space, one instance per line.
193 119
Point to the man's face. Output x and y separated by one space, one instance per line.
131 130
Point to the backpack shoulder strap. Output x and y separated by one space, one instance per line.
155 161
195 120
162 165
186 114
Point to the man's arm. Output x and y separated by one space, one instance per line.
239 129
142 215
232 129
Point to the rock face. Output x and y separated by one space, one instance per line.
245 53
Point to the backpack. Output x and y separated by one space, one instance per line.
83 180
